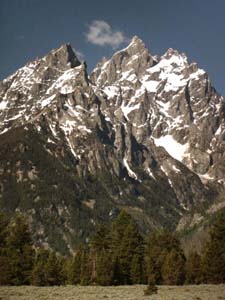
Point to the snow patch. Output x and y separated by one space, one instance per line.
3 104
219 130
83 128
68 126
47 101
149 172
127 109
164 170
176 169
150 85
164 106
111 91
130 172
65 83
175 149
71 148
205 177
5 130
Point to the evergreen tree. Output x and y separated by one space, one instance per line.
85 270
127 243
4 222
4 259
39 276
54 270
173 269
104 268
193 268
74 268
214 253
136 271
160 243
48 269
19 251
79 269
101 239
100 256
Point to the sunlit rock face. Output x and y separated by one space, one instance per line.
142 132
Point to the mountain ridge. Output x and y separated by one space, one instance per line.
142 132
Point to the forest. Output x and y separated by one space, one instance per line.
116 254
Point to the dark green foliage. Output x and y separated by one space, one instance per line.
85 271
74 268
161 248
4 222
54 269
136 269
79 268
39 277
104 269
48 269
127 247
173 269
101 259
193 268
115 256
19 251
4 259
18 262
213 262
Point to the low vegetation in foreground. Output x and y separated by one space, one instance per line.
135 292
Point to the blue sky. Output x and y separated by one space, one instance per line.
31 28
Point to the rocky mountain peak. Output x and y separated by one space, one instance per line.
33 87
145 133
63 57
134 59
136 44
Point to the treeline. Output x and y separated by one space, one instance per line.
116 255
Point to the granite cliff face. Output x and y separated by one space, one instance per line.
142 132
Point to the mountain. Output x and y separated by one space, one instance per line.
141 132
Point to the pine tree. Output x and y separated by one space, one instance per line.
19 251
160 243
48 269
193 268
85 270
79 268
136 271
214 253
39 277
4 259
126 244
104 269
101 263
54 270
173 269
74 268
4 222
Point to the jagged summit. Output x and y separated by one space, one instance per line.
132 60
142 133
135 42
63 56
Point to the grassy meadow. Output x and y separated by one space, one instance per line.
135 292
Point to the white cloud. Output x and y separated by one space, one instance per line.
79 54
101 33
